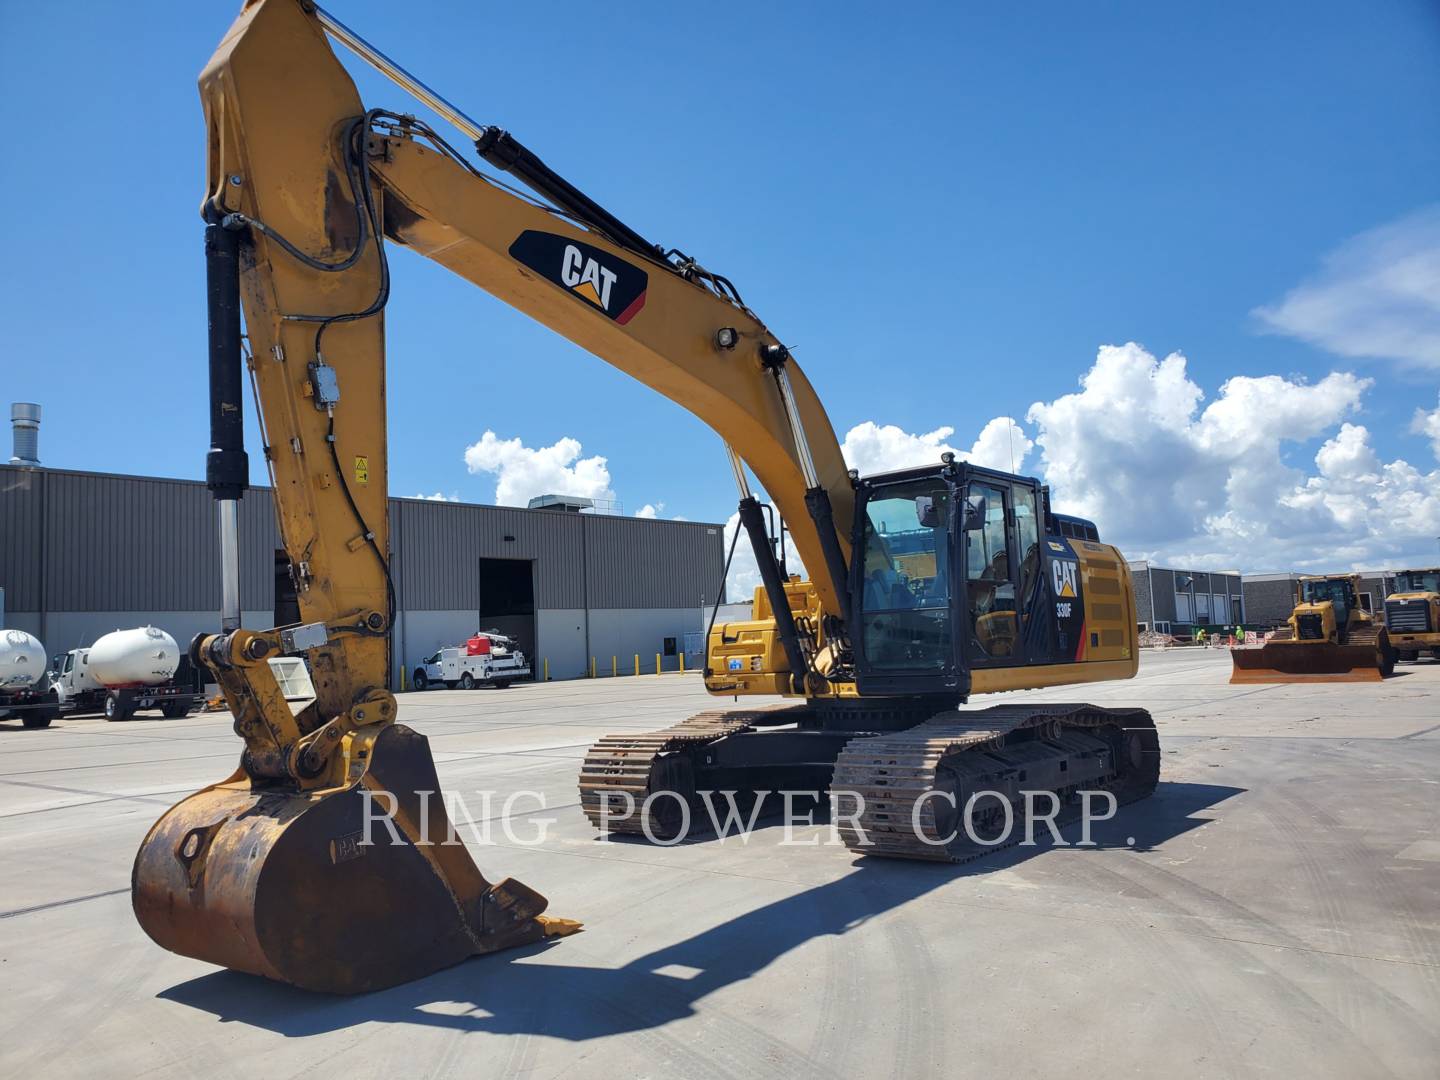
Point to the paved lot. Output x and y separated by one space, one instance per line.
1279 913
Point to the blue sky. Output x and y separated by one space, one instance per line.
947 209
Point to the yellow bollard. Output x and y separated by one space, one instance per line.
547 669
592 667
657 663
637 663
614 667
682 663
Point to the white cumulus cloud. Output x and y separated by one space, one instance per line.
1209 487
873 448
438 496
522 472
1377 295
650 510
1428 424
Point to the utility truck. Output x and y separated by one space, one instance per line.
488 657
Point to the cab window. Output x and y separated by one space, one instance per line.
991 589
1027 537
905 592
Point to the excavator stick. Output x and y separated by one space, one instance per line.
1306 662
294 886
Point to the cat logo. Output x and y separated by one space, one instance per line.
587 277
599 278
1063 576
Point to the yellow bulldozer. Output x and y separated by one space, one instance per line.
1328 638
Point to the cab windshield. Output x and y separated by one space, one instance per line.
905 598
1317 592
1418 581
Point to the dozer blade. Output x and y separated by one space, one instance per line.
280 883
1305 662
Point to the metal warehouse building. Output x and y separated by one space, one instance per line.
84 553
1178 601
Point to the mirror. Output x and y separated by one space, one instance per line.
976 509
927 512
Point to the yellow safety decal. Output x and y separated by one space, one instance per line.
362 470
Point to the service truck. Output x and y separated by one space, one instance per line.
487 657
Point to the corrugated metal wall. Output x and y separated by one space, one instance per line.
439 547
682 562
22 499
97 542
73 541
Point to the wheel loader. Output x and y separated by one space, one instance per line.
926 586
1412 614
1329 637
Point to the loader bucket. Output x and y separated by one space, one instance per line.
1305 662
280 883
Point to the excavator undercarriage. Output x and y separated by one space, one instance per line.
896 793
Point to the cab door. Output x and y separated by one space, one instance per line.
1000 551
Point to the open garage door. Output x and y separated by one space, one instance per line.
507 602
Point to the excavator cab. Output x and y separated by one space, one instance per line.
950 562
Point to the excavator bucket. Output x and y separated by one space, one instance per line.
1305 662
282 883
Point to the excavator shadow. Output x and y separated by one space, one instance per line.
518 993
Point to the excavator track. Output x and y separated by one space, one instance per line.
620 772
1009 749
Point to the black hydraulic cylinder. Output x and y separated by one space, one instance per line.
504 151
227 468
753 518
817 501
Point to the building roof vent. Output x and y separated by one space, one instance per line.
567 504
25 424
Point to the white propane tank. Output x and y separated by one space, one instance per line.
22 660
145 656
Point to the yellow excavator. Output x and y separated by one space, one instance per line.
1412 613
927 585
1328 638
